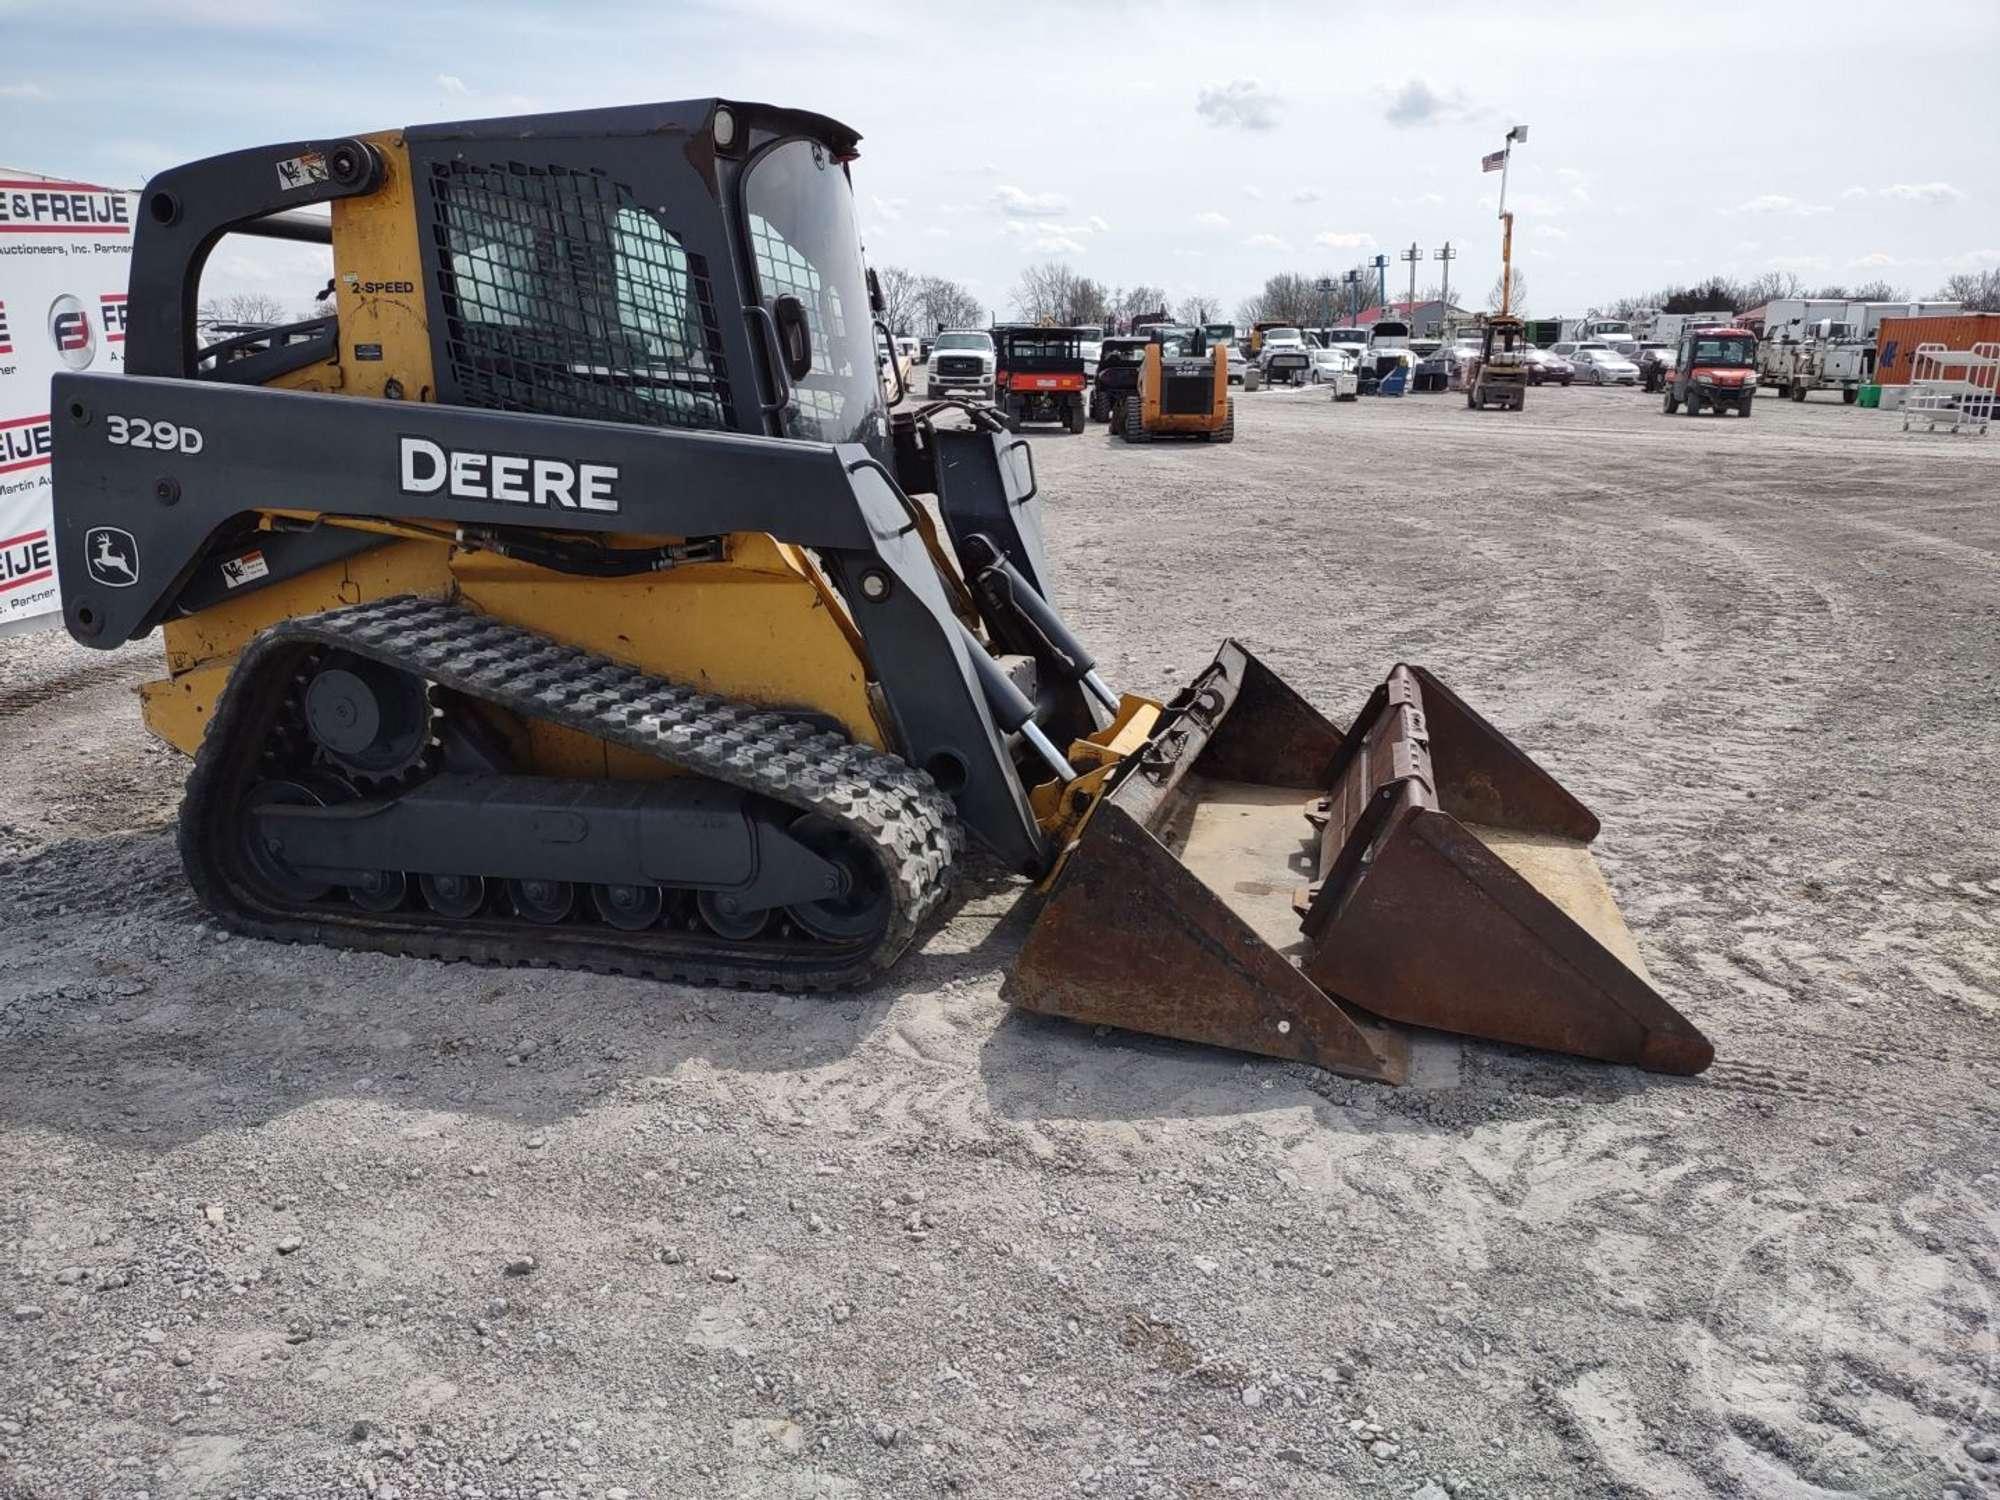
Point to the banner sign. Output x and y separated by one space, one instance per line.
65 256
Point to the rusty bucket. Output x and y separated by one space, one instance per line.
1254 878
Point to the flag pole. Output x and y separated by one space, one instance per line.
1517 133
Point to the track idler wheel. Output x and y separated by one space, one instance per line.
453 895
265 854
864 910
630 908
726 918
380 891
543 902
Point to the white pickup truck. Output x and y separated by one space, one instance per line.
961 364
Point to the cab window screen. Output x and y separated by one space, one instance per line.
562 295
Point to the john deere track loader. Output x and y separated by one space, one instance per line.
561 597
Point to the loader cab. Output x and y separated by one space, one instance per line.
693 264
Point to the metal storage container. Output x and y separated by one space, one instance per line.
1896 344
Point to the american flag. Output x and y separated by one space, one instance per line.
1494 162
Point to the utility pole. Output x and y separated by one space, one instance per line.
1381 264
1325 288
1446 255
1413 255
1353 295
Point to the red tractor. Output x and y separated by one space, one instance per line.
1716 368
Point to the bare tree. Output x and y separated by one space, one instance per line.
1088 303
1043 293
1198 308
243 307
900 293
1880 290
1978 290
1518 301
1766 288
1140 300
943 303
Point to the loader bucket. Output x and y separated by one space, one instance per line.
1256 879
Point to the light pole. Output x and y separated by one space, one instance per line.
1381 264
1446 255
1506 155
1413 255
1325 288
1353 295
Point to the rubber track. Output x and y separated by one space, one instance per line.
895 810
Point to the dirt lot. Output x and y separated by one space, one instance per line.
261 1202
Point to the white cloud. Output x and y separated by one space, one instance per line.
1254 193
451 83
1744 247
1345 239
1778 203
1055 239
1422 200
1801 263
1044 240
1190 254
1876 260
889 210
22 91
1923 192
1549 232
1305 195
1240 104
1973 260
1267 242
1576 182
1212 220
1854 192
937 232
1417 102
1013 200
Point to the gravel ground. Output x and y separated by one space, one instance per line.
292 1222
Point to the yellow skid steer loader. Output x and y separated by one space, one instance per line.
561 597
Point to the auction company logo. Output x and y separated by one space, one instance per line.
6 338
25 559
111 316
70 331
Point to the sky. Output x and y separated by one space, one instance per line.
1200 147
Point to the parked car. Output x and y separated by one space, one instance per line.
961 365
1336 365
1599 364
1546 364
1656 363
1443 369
